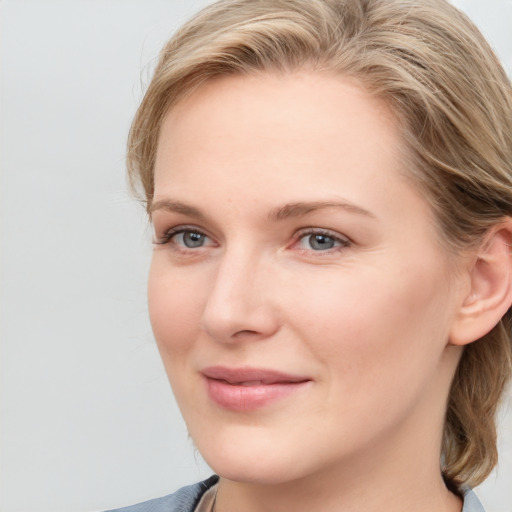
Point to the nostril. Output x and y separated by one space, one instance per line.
244 333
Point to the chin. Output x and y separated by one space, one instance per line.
250 458
257 472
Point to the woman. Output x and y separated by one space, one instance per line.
331 193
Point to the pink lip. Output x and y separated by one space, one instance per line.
245 389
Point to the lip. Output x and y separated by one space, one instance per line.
246 389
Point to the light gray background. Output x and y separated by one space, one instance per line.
87 418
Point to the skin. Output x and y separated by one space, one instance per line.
367 317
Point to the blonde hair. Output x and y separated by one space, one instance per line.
454 104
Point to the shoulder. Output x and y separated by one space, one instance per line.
471 501
183 500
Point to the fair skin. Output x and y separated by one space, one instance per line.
288 241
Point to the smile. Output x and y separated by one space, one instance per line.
246 389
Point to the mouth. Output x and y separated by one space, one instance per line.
246 389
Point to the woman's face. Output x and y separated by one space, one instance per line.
298 294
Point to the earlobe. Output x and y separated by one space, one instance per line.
490 294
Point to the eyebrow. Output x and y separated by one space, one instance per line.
286 211
170 205
303 208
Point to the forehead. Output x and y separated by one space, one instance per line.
302 117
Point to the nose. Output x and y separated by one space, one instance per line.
240 305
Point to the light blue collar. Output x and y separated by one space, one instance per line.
471 501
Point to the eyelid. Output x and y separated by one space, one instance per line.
170 233
343 240
312 230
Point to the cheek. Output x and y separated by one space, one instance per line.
175 305
371 323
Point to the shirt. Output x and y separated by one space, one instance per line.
188 498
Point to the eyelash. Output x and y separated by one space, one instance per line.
343 242
167 237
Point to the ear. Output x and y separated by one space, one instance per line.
490 290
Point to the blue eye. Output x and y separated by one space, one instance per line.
319 241
185 238
190 239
